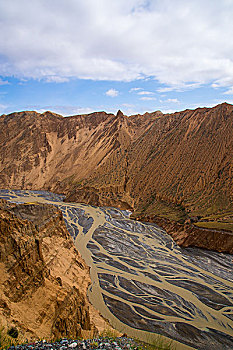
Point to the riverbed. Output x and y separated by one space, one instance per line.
142 281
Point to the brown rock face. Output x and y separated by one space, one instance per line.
43 279
177 166
51 152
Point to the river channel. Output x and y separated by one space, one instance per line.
143 282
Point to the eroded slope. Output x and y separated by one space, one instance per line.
43 279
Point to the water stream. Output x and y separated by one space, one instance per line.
143 282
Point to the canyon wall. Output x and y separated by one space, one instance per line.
43 279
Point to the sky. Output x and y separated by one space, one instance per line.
79 56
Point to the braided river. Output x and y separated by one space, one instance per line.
142 282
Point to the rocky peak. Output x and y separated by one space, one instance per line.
119 114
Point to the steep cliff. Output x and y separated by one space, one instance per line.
43 279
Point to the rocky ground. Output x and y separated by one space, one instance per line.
119 343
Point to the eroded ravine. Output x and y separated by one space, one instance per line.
143 282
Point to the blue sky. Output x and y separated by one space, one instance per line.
75 57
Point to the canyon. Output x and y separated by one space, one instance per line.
175 169
165 171
142 281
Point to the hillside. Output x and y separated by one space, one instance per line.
41 150
175 166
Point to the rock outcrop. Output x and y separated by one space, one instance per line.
43 279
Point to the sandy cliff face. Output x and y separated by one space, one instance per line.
43 279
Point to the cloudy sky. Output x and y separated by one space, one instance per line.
78 56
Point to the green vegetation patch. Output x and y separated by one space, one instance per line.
9 337
217 225
162 209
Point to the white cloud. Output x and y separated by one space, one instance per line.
168 111
63 110
145 93
172 100
147 98
128 109
135 89
183 44
180 87
127 105
165 89
140 91
56 79
229 91
76 110
112 93
4 82
206 104
3 108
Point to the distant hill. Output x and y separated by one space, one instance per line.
176 166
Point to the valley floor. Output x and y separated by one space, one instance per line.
143 282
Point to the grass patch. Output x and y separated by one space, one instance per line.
9 338
109 333
151 342
217 225
224 217
162 209
158 342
